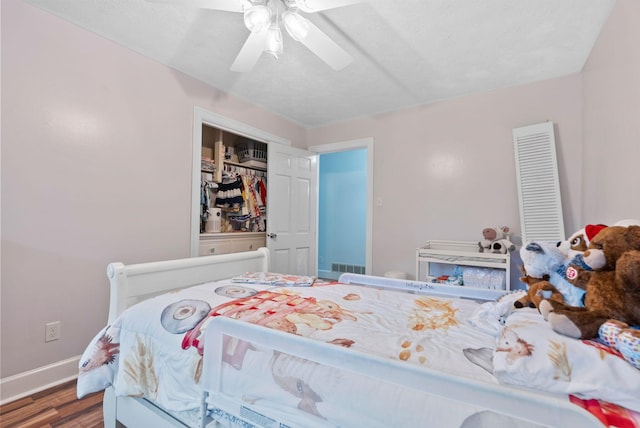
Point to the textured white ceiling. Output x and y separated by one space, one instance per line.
406 52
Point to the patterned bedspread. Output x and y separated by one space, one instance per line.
155 350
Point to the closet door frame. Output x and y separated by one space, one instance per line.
205 117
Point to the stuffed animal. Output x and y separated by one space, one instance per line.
624 339
612 289
578 242
493 234
544 260
537 289
501 246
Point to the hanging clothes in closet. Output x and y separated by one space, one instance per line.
229 196
243 198
255 199
207 187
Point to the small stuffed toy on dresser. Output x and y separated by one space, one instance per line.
496 240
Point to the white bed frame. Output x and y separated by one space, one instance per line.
131 284
134 283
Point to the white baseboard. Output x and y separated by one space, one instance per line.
24 384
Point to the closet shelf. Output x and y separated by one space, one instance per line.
232 234
244 165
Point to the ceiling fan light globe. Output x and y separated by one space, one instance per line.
274 42
296 25
302 4
257 17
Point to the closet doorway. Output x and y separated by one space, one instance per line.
344 207
291 197
309 249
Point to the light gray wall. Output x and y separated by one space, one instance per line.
96 167
611 120
447 170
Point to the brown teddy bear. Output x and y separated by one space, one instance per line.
612 289
537 289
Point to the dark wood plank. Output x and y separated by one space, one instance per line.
80 407
54 408
9 407
38 420
87 418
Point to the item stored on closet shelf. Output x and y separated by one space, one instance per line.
254 151
239 221
214 222
207 165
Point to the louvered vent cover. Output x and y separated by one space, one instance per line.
538 184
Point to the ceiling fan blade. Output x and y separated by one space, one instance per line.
250 52
319 5
328 50
226 5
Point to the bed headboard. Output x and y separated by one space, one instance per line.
133 283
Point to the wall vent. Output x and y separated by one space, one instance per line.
341 267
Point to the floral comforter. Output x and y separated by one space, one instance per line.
155 350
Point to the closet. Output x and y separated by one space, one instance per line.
233 186
291 184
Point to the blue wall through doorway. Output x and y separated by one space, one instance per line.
342 213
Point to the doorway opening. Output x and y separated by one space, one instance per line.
344 208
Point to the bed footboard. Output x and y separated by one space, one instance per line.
133 283
137 282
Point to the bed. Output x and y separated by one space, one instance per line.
328 373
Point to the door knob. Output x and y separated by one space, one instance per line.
272 235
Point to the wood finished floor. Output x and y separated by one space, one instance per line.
55 407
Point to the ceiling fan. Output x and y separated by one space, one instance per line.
263 18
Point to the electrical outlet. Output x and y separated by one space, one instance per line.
52 331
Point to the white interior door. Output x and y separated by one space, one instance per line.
291 209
